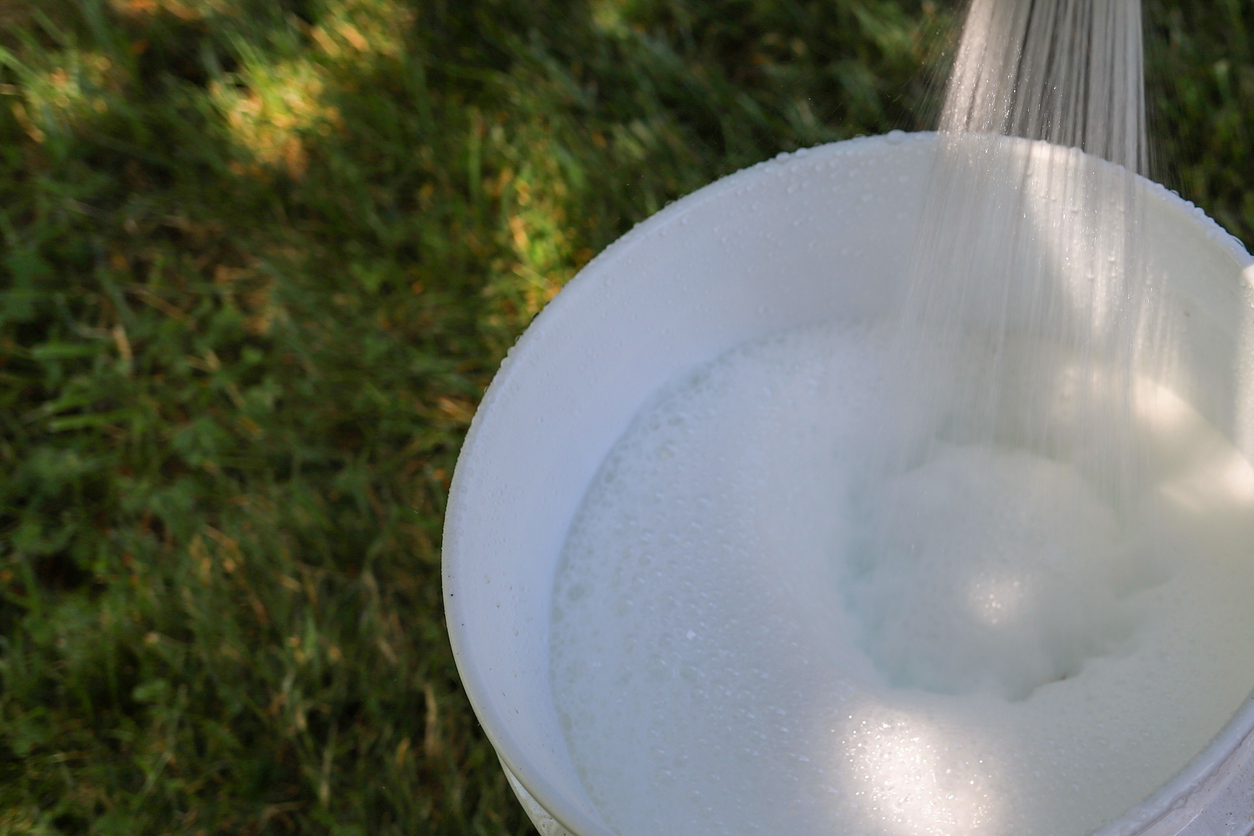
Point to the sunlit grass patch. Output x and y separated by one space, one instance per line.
272 108
278 98
538 202
356 29
54 95
183 9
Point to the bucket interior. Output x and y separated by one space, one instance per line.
811 237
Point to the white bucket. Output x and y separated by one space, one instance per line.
804 238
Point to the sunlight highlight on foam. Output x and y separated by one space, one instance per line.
912 778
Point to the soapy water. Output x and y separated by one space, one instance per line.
1004 572
758 629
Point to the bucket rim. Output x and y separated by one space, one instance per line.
457 587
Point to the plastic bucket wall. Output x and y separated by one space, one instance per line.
808 237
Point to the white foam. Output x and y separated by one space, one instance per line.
754 632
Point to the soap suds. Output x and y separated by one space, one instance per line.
756 630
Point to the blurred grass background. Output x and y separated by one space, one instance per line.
259 260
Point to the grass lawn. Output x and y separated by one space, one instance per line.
260 259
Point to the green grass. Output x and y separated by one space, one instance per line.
260 260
